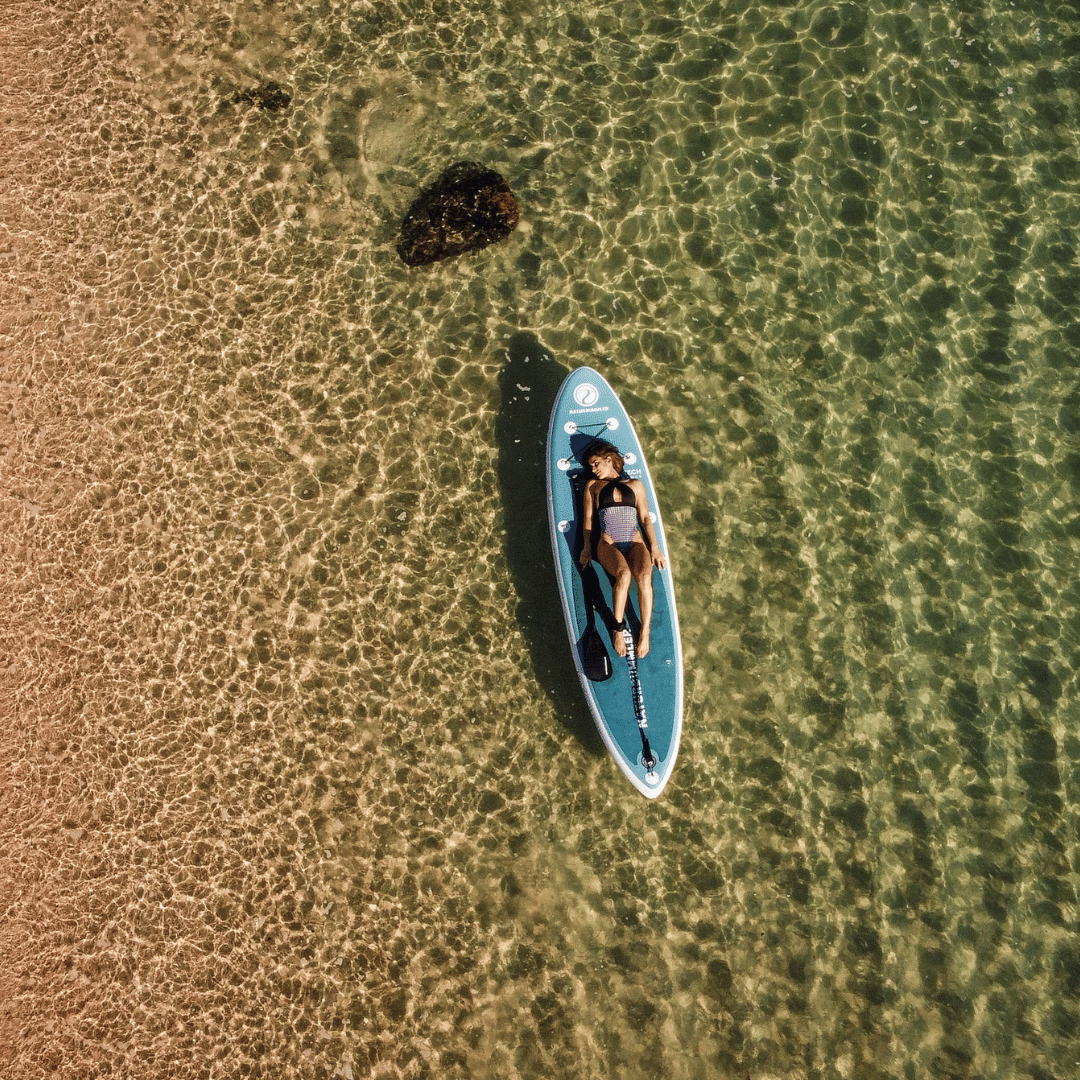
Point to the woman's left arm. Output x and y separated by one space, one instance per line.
658 557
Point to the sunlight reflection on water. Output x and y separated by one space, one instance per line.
344 813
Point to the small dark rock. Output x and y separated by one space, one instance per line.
271 96
467 208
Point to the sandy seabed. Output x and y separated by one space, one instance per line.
234 842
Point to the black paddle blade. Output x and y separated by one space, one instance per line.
595 657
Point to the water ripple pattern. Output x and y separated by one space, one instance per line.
297 780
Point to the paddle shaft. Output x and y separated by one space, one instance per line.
648 759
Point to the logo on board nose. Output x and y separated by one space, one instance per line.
585 394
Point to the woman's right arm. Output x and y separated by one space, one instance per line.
586 525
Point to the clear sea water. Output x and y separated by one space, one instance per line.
335 804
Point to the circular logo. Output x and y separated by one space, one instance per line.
585 394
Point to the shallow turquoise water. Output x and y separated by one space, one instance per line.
348 813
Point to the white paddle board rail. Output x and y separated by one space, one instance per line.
635 701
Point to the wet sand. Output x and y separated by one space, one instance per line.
34 706
53 580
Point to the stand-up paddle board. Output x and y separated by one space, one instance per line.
635 701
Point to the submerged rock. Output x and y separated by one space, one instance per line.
271 96
467 208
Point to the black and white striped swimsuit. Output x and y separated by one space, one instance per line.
619 519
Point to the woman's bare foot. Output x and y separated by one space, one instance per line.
619 642
643 643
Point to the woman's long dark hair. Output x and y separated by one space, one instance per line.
599 448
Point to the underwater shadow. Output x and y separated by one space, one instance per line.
529 382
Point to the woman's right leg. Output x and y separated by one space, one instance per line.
613 561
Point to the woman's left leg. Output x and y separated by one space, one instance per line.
641 566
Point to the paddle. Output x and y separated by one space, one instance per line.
647 757
594 657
